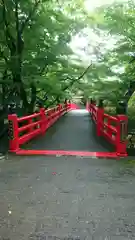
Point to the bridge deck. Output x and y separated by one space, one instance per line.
73 132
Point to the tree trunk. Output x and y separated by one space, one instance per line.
33 98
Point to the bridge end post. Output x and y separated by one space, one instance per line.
100 118
13 133
121 141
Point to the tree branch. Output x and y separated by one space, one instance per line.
85 71
43 69
5 82
17 23
3 56
77 79
31 13
73 81
9 38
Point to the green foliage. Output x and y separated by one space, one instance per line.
34 49
112 72
37 63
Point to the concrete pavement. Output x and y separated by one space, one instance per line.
66 197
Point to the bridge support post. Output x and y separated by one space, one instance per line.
100 119
13 133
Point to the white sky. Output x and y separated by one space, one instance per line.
88 45
92 4
84 45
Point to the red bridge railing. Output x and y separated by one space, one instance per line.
23 129
114 129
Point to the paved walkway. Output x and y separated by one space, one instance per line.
77 198
74 131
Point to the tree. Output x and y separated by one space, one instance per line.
112 75
34 47
123 52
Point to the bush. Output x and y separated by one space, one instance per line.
110 110
130 113
131 119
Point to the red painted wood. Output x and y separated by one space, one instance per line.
27 137
69 153
47 119
105 127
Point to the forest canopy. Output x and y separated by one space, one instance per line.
50 51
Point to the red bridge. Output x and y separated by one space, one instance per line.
77 132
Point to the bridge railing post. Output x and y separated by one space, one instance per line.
13 133
87 105
100 118
69 104
59 110
121 137
43 120
66 105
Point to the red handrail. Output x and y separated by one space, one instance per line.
25 118
114 129
33 125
